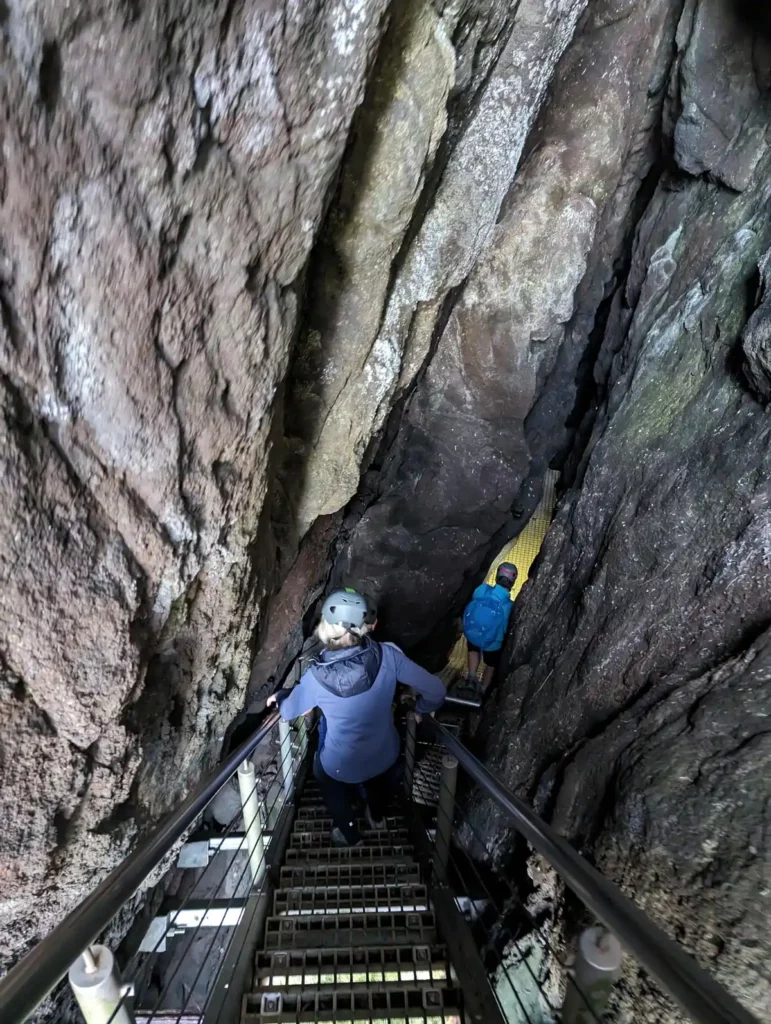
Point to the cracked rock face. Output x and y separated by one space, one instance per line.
295 294
490 410
165 168
632 712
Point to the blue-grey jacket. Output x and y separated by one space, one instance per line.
354 688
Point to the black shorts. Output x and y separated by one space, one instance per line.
490 658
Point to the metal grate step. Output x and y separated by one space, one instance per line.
321 822
375 965
318 875
306 855
319 810
433 1005
315 805
382 837
357 899
350 930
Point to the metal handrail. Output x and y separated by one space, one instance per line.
697 993
28 983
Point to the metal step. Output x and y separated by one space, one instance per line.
374 965
381 837
356 899
318 875
323 823
318 809
414 1004
397 928
307 855
311 800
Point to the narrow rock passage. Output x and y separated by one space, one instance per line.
522 552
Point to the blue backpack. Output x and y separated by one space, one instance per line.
483 621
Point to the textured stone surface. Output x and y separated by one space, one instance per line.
756 339
491 409
447 235
164 170
723 118
630 713
396 138
689 786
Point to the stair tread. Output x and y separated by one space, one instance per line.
394 822
350 873
381 837
317 900
349 854
378 929
346 957
318 809
440 1004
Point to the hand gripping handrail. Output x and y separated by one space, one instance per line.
28 983
699 995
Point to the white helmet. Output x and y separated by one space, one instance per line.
349 608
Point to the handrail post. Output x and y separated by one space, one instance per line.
598 964
247 787
96 984
409 752
285 753
445 812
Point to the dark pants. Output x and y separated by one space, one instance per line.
340 796
491 658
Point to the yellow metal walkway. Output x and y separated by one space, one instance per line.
521 552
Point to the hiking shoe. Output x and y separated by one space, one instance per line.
338 839
374 823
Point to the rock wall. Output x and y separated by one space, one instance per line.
403 239
492 408
634 709
165 168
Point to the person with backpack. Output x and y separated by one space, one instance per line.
353 681
485 622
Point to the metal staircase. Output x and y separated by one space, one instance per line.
266 922
352 935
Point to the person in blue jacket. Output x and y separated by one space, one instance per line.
353 683
485 622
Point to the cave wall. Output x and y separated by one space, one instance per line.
492 408
164 170
403 238
633 710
